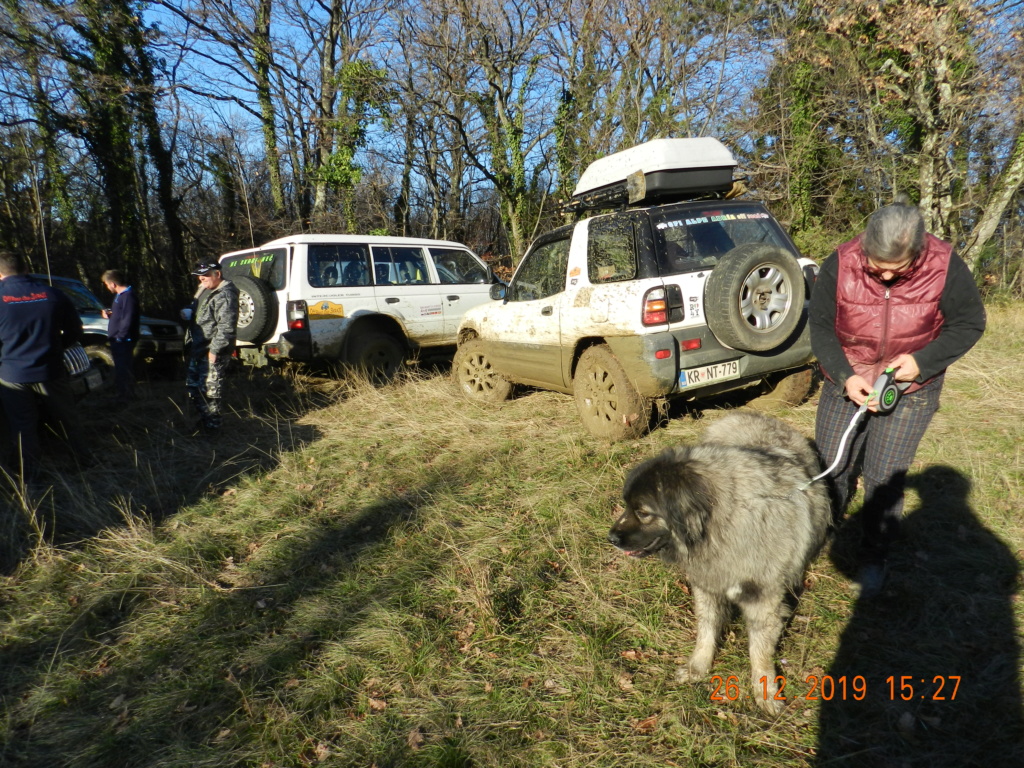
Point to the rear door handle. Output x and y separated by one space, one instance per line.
546 311
391 300
453 298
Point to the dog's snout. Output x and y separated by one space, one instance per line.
614 538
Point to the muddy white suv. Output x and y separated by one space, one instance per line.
677 293
368 301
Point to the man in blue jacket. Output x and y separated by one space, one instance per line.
37 322
122 331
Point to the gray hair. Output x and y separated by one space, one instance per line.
894 233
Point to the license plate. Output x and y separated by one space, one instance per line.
175 346
706 374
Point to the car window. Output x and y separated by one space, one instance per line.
83 299
611 250
455 265
542 272
269 265
399 265
694 238
337 264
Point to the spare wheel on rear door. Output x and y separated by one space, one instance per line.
754 297
257 309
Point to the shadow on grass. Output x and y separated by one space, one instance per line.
943 625
149 458
206 689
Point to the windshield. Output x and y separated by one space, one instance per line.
80 296
689 237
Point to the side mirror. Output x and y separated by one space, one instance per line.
498 291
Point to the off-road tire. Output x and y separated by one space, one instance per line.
377 355
754 297
257 309
472 372
608 403
102 360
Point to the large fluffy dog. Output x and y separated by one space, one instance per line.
733 514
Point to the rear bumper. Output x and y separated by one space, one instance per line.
655 377
294 346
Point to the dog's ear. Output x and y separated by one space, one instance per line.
689 499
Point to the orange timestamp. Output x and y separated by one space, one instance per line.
842 688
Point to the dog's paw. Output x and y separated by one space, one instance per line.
692 673
769 706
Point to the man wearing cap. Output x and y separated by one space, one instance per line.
210 340
893 297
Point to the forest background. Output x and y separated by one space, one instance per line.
148 134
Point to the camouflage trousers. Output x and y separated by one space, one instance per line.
204 382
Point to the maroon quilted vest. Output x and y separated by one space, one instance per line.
876 322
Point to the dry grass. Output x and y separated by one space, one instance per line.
396 577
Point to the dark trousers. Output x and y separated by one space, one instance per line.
24 404
882 448
124 367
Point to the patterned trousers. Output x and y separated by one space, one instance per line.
882 448
204 382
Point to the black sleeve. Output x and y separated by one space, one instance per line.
824 342
963 324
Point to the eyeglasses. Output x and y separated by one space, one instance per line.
888 273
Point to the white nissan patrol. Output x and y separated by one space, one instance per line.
368 301
677 292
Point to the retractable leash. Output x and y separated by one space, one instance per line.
888 391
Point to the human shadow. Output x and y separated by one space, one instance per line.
936 654
148 459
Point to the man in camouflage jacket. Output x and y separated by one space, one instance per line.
210 341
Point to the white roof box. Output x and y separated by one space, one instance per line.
660 169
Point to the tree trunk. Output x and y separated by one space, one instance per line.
1006 186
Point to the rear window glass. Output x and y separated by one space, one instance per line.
269 265
399 265
692 238
611 250
337 264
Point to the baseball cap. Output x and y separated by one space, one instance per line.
205 268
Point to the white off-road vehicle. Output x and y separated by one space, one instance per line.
368 301
678 292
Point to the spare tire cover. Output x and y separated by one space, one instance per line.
257 309
754 297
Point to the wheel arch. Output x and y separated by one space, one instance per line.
375 322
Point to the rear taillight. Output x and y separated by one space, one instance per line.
655 307
655 311
298 320
662 305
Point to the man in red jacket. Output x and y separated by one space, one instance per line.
893 297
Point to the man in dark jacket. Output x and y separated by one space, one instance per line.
210 340
893 297
122 331
37 323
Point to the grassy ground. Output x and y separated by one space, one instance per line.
351 577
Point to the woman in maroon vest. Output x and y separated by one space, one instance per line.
893 297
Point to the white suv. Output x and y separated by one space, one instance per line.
678 293
369 301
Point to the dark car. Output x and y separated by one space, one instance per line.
161 342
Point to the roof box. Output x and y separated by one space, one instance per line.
657 171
